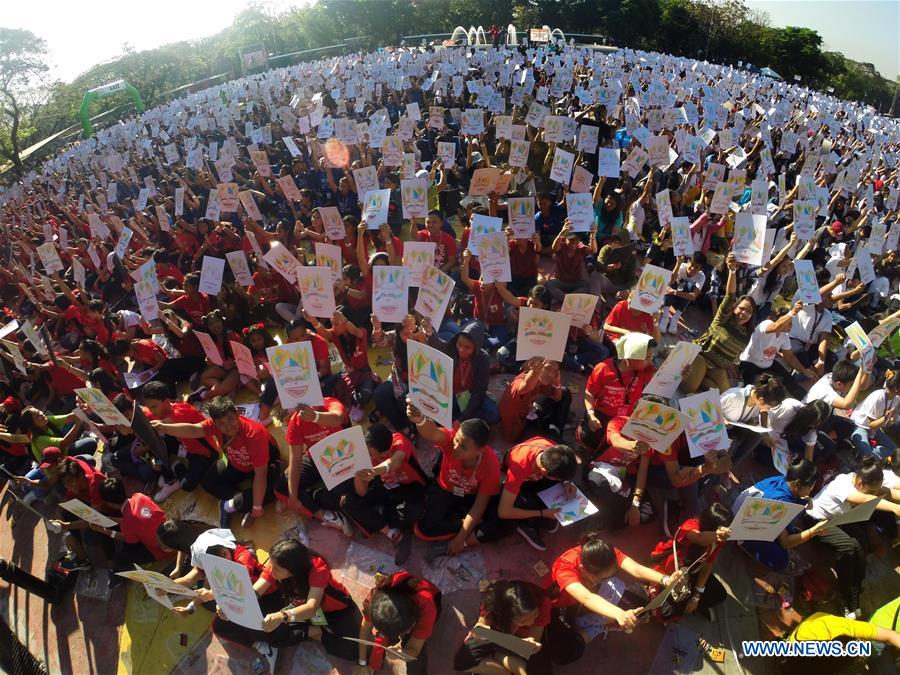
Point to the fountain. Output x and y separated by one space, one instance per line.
511 38
480 37
459 35
473 36
556 34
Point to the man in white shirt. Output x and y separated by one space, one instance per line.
810 329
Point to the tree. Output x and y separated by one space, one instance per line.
22 63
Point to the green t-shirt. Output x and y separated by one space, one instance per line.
47 438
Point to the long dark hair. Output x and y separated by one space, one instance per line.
811 416
503 602
293 556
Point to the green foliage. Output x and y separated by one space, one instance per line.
722 31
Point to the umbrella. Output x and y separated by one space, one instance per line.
770 73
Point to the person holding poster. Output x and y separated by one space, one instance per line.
853 542
248 454
724 340
471 372
219 378
878 411
794 487
535 402
684 288
445 243
300 487
488 305
389 498
570 253
300 579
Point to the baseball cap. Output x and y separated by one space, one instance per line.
476 157
50 456
633 346
837 226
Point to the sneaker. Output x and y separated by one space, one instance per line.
224 516
268 652
403 547
336 521
167 491
71 564
532 536
850 614
438 549
197 395
549 525
357 414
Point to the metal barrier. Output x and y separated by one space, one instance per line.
14 657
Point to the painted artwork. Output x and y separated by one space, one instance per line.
805 220
434 295
863 345
316 291
211 272
334 225
293 369
156 580
414 197
493 255
561 169
807 286
483 182
635 161
282 260
721 199
228 197
664 207
50 258
655 424
749 238
881 332
340 456
518 153
81 510
101 406
541 333
580 211
233 590
375 208
705 430
761 519
682 242
658 150
417 255
390 293
431 382
579 306
520 212
571 510
608 160
667 379
581 180
250 206
329 257
650 290
243 359
481 226
237 261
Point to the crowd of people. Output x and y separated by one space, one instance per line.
805 378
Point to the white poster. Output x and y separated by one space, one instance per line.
541 333
233 590
211 275
390 293
340 456
431 382
293 369
761 519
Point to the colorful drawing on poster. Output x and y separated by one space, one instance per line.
431 382
493 255
651 289
705 430
579 306
103 407
81 510
417 255
655 424
541 333
807 286
340 456
863 345
293 369
316 291
571 510
434 295
761 519
666 380
390 293
232 588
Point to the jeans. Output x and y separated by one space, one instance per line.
487 411
38 474
223 481
860 438
390 406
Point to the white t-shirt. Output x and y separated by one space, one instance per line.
764 347
735 407
781 416
822 390
809 323
832 498
758 293
891 480
696 281
874 406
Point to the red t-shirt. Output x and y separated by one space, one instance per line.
488 305
147 352
248 450
357 357
64 382
445 247
319 577
664 556
627 458
522 463
543 617
272 287
184 413
570 262
300 432
522 263
565 573
422 599
319 348
92 494
194 308
614 396
140 519
483 478
406 473
631 320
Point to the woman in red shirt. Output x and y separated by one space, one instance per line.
622 319
575 583
695 547
516 608
401 609
313 598
220 380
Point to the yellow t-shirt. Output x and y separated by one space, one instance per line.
822 626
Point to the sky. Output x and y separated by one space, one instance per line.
82 34
862 30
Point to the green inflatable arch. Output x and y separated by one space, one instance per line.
100 92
